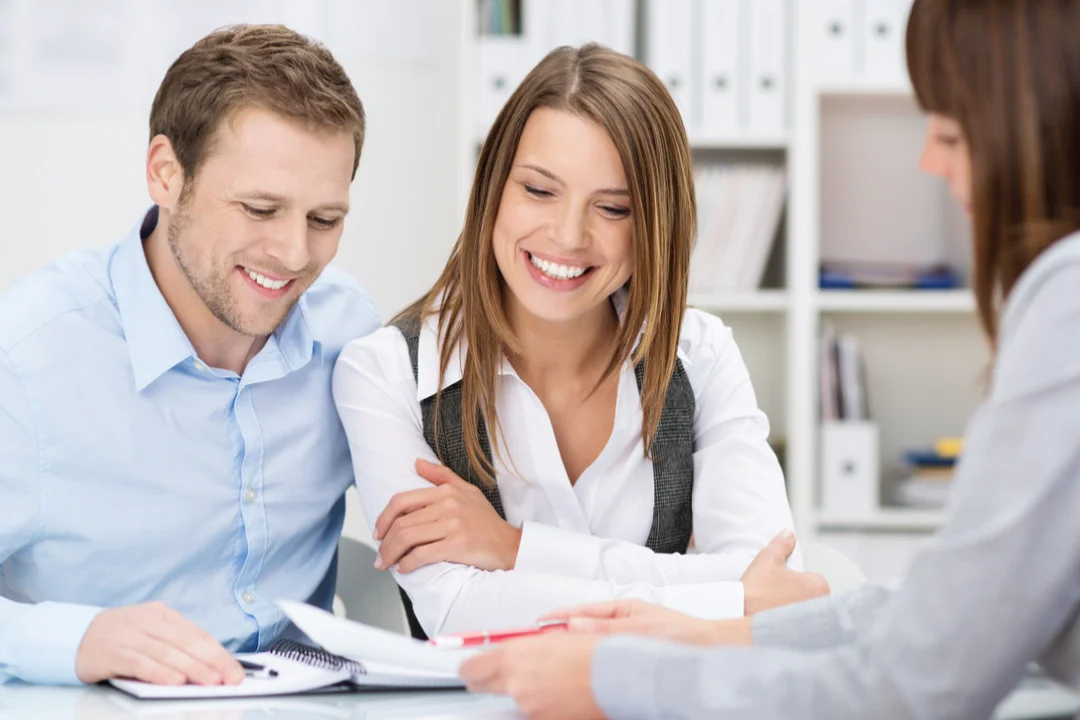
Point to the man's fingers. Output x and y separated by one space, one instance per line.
137 666
194 670
402 504
400 542
175 631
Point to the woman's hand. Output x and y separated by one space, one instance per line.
451 522
768 582
550 677
637 617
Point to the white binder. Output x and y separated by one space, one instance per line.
835 31
767 83
504 60
722 81
884 24
669 50
576 22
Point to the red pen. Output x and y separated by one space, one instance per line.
489 637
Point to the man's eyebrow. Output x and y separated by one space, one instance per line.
342 208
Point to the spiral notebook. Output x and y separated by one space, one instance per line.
301 669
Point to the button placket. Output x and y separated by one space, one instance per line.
252 513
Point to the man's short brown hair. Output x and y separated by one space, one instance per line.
265 66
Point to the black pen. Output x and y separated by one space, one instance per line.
257 671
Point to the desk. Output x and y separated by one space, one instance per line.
19 701
1037 699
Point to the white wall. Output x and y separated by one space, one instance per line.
72 169
72 177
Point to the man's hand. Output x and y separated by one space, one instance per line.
155 644
768 583
637 617
550 676
451 522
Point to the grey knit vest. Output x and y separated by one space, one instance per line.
672 453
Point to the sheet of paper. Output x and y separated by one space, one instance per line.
371 645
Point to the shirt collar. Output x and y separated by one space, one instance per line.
156 342
427 355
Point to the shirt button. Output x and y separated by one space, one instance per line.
200 365
250 495
248 597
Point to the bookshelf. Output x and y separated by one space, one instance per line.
759 301
896 301
901 520
849 144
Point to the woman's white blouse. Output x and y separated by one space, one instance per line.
582 542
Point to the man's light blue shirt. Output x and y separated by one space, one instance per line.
132 472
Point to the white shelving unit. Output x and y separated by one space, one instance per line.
883 520
762 301
900 301
851 151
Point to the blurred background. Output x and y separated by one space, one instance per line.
841 269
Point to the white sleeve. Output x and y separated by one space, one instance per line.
739 502
376 398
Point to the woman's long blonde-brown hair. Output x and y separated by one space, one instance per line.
1008 71
633 106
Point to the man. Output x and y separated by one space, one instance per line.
171 461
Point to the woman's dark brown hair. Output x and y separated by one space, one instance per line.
626 99
1008 71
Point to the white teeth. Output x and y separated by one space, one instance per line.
265 281
556 271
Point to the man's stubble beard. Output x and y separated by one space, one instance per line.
213 288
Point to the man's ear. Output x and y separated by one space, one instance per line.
164 176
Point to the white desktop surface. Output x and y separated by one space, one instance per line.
1037 699
19 701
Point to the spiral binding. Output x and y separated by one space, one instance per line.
315 657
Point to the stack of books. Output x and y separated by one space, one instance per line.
862 275
499 17
841 377
739 212
929 475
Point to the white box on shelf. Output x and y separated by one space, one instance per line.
835 32
884 22
722 79
669 52
767 23
849 467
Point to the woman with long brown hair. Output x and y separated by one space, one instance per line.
550 423
999 587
